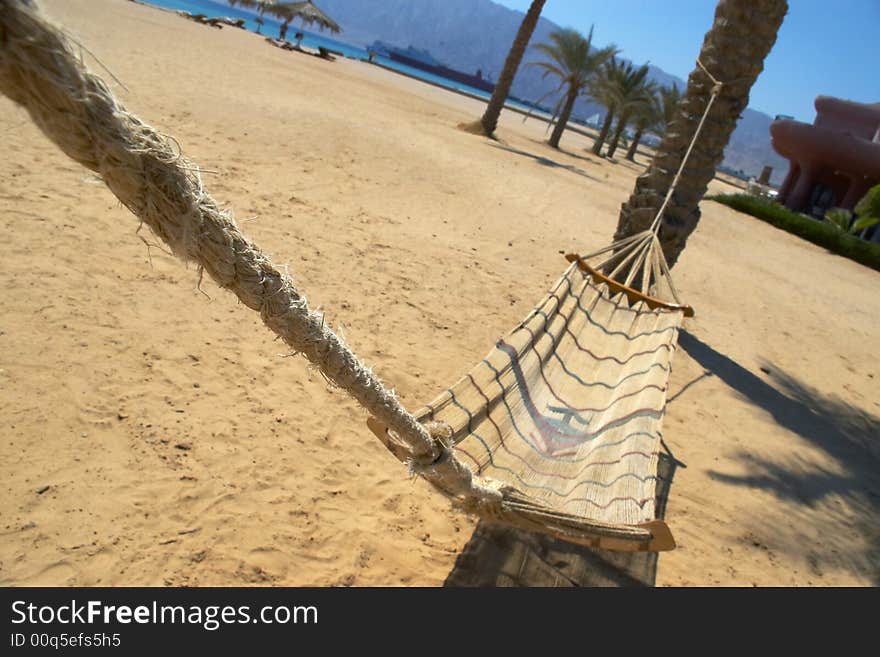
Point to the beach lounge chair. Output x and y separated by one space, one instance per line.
280 43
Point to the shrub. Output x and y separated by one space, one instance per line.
818 232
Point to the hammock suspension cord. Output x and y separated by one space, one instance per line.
642 253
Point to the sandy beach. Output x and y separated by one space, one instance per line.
154 433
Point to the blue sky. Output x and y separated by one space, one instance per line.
825 47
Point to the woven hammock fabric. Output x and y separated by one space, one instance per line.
567 408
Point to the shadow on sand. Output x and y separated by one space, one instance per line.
849 437
498 555
547 162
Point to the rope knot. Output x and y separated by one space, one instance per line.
441 433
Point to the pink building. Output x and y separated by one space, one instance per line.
833 162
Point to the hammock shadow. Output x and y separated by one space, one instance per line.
540 159
843 433
498 555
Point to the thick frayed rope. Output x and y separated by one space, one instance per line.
40 70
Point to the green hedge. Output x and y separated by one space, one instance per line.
818 232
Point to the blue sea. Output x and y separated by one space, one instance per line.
271 25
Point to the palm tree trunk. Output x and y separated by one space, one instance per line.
633 147
502 88
603 133
733 51
563 119
621 126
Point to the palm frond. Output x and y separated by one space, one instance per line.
571 57
869 205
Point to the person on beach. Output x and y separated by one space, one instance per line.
282 33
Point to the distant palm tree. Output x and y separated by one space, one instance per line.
620 88
670 100
655 116
634 92
573 61
733 51
603 89
646 117
487 124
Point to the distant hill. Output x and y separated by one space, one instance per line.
749 148
476 34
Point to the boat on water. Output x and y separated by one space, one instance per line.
422 60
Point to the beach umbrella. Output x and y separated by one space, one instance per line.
262 6
307 11
311 14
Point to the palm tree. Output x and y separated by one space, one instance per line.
618 87
645 117
655 116
670 99
733 52
633 93
603 90
487 124
572 61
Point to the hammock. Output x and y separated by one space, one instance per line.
564 414
557 430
